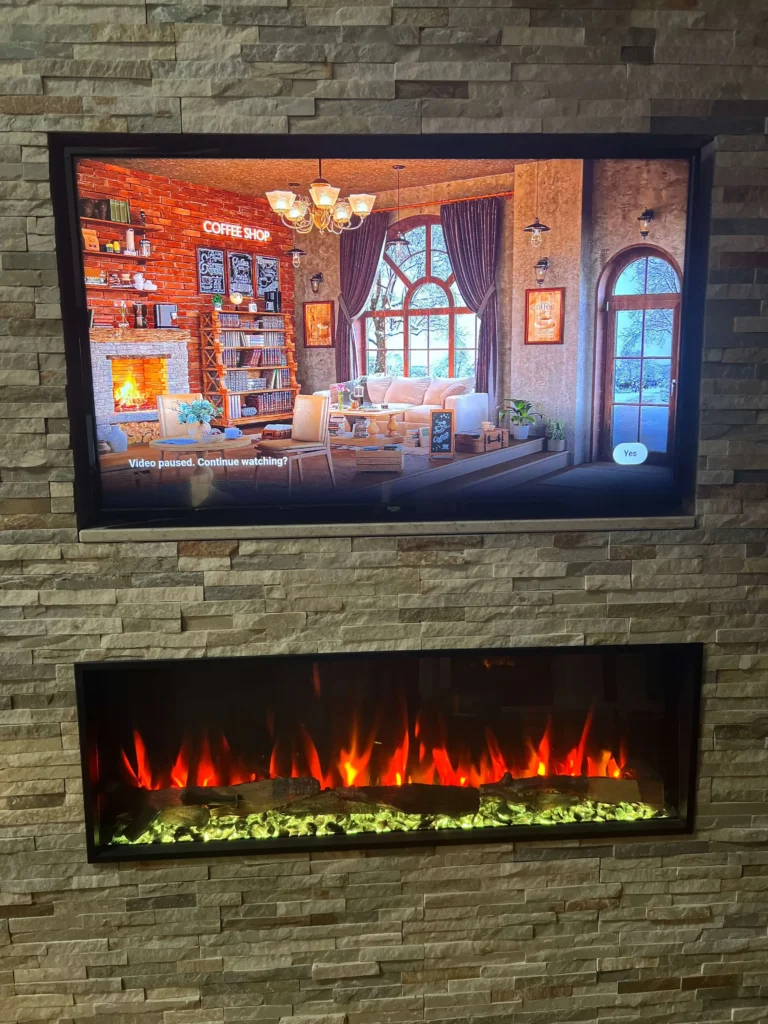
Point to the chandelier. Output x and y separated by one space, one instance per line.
321 209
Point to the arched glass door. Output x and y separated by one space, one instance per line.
643 340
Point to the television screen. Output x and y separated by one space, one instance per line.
445 331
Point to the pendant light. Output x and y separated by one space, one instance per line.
537 229
295 253
398 246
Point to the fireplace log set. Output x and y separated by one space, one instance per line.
284 807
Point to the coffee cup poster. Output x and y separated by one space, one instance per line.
544 316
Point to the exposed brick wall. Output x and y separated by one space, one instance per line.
674 930
175 213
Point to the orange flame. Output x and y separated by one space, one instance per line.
129 395
354 760
143 773
538 757
419 755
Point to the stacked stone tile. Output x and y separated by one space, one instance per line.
674 930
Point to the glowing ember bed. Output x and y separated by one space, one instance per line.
287 752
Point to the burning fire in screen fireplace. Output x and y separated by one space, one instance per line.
136 383
284 751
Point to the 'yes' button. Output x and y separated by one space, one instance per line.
630 454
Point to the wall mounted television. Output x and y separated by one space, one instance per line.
280 330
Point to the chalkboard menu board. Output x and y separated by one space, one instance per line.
441 434
268 274
240 272
211 278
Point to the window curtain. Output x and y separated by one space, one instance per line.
472 230
359 258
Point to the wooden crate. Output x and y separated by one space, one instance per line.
379 461
481 441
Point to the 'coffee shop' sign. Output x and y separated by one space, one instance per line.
227 230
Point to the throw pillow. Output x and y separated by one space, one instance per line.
442 387
407 390
377 388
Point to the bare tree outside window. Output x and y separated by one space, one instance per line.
431 331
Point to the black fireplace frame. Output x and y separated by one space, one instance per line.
689 658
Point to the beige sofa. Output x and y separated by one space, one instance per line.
424 394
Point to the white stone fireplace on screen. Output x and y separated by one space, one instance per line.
128 375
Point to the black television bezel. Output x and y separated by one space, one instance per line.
66 148
689 660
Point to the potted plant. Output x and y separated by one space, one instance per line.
555 434
520 417
198 415
218 302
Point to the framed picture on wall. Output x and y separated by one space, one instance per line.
240 265
544 315
318 324
211 273
267 274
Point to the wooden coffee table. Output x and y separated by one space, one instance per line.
213 446
375 412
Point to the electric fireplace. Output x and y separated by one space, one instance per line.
227 755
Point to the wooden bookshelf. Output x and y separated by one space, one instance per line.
279 335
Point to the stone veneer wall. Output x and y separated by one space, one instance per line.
674 930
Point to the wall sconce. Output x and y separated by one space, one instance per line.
540 269
645 219
314 282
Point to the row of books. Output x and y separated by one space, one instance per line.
239 380
267 357
275 401
255 323
416 437
241 339
120 211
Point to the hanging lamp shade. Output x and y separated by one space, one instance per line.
324 195
295 253
281 200
342 212
362 203
398 246
536 230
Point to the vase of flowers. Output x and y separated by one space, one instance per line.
197 415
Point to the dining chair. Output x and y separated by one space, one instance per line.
309 436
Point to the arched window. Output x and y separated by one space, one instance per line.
641 343
416 323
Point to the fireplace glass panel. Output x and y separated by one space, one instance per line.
258 753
